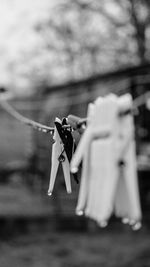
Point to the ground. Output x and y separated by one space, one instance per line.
107 248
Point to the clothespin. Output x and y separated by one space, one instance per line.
84 186
99 129
77 123
61 153
68 141
103 163
127 202
106 145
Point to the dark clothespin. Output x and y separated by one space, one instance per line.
67 139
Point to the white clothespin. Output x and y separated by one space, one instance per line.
84 186
127 202
91 208
107 141
59 155
103 162
97 142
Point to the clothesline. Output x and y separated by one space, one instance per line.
84 97
140 100
41 127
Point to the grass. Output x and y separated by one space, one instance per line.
57 249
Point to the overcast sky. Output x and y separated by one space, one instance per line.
20 43
17 18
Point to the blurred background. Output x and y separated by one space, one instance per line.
55 58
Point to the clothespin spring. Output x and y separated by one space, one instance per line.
61 158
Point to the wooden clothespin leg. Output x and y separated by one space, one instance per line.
127 202
130 174
103 161
90 210
59 156
56 150
83 153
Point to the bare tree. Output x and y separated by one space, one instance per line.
81 38
96 36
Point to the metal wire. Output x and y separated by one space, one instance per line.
41 127
140 100
38 126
